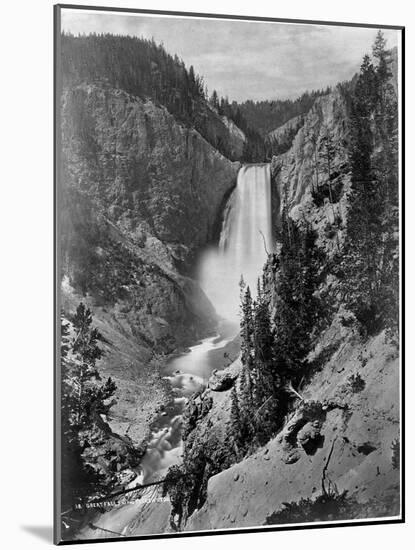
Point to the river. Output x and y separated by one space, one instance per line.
186 373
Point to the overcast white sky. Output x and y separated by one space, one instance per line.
246 60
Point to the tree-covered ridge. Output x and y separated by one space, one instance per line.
256 148
265 116
144 69
138 66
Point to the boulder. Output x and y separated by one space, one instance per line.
223 380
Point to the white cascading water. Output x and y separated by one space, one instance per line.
246 236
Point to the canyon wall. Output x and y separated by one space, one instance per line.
140 195
302 171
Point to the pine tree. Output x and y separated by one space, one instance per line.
263 353
298 309
236 424
83 398
329 150
382 57
85 347
386 168
370 261
247 328
360 255
246 406
214 101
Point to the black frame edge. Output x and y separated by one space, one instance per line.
227 16
403 281
56 288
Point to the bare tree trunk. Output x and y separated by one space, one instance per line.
290 388
323 477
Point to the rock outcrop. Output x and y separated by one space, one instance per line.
306 180
223 380
282 137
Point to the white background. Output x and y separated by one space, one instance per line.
26 271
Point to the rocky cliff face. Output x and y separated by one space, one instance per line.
236 137
305 178
140 195
282 137
142 166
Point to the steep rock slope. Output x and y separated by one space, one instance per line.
236 136
359 426
282 137
140 194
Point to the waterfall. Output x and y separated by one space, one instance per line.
246 232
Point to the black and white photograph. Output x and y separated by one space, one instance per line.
228 231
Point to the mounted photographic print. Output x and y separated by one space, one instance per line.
228 198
